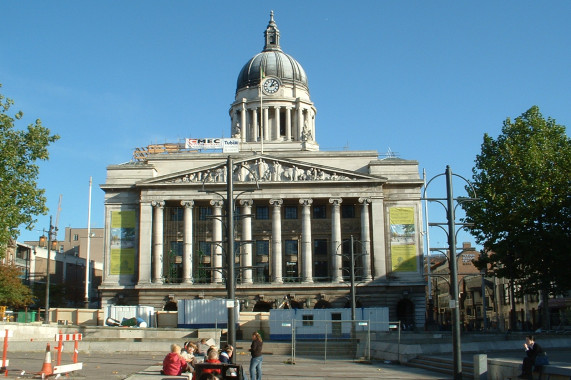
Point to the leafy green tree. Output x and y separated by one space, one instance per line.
20 197
523 216
13 293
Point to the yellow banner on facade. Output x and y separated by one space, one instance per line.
122 260
403 239
123 219
404 258
402 215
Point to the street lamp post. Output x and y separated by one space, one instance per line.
50 231
230 256
353 297
450 208
230 252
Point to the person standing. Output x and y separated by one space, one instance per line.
256 360
532 350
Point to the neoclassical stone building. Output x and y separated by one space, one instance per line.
295 208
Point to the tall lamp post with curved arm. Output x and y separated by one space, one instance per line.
451 233
351 255
230 240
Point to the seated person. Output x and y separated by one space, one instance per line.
226 354
174 364
188 351
202 347
212 359
188 354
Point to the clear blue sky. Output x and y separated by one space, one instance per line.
425 79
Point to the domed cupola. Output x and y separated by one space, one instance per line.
272 107
273 61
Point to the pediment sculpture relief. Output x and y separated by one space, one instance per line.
263 170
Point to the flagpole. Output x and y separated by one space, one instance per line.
88 247
261 109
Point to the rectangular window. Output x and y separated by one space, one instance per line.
290 247
204 248
262 273
291 270
307 320
319 212
320 270
204 212
262 212
176 214
290 212
347 211
75 237
262 247
176 248
320 247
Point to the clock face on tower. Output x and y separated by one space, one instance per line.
271 86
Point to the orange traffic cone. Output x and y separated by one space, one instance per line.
47 369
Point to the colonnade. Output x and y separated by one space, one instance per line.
247 260
247 125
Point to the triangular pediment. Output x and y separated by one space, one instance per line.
263 169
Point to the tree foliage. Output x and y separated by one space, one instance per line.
13 293
523 216
20 150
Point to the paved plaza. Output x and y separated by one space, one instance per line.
133 366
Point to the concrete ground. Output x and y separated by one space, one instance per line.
133 366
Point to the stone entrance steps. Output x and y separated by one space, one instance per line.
442 365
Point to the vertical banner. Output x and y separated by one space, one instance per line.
403 238
122 242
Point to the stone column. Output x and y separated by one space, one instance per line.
266 126
299 126
313 127
277 241
379 254
366 238
306 254
145 242
247 236
288 124
276 135
254 125
216 259
243 136
336 258
158 241
187 241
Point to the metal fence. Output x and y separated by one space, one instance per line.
339 340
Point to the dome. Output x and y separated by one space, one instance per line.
274 62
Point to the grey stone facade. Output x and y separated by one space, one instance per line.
296 209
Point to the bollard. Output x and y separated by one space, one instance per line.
480 367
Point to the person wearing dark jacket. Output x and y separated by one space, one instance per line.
256 360
532 349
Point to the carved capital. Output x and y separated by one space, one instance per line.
187 204
159 204
306 201
276 202
335 201
216 202
246 202
365 201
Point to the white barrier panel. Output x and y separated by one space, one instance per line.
199 313
68 368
